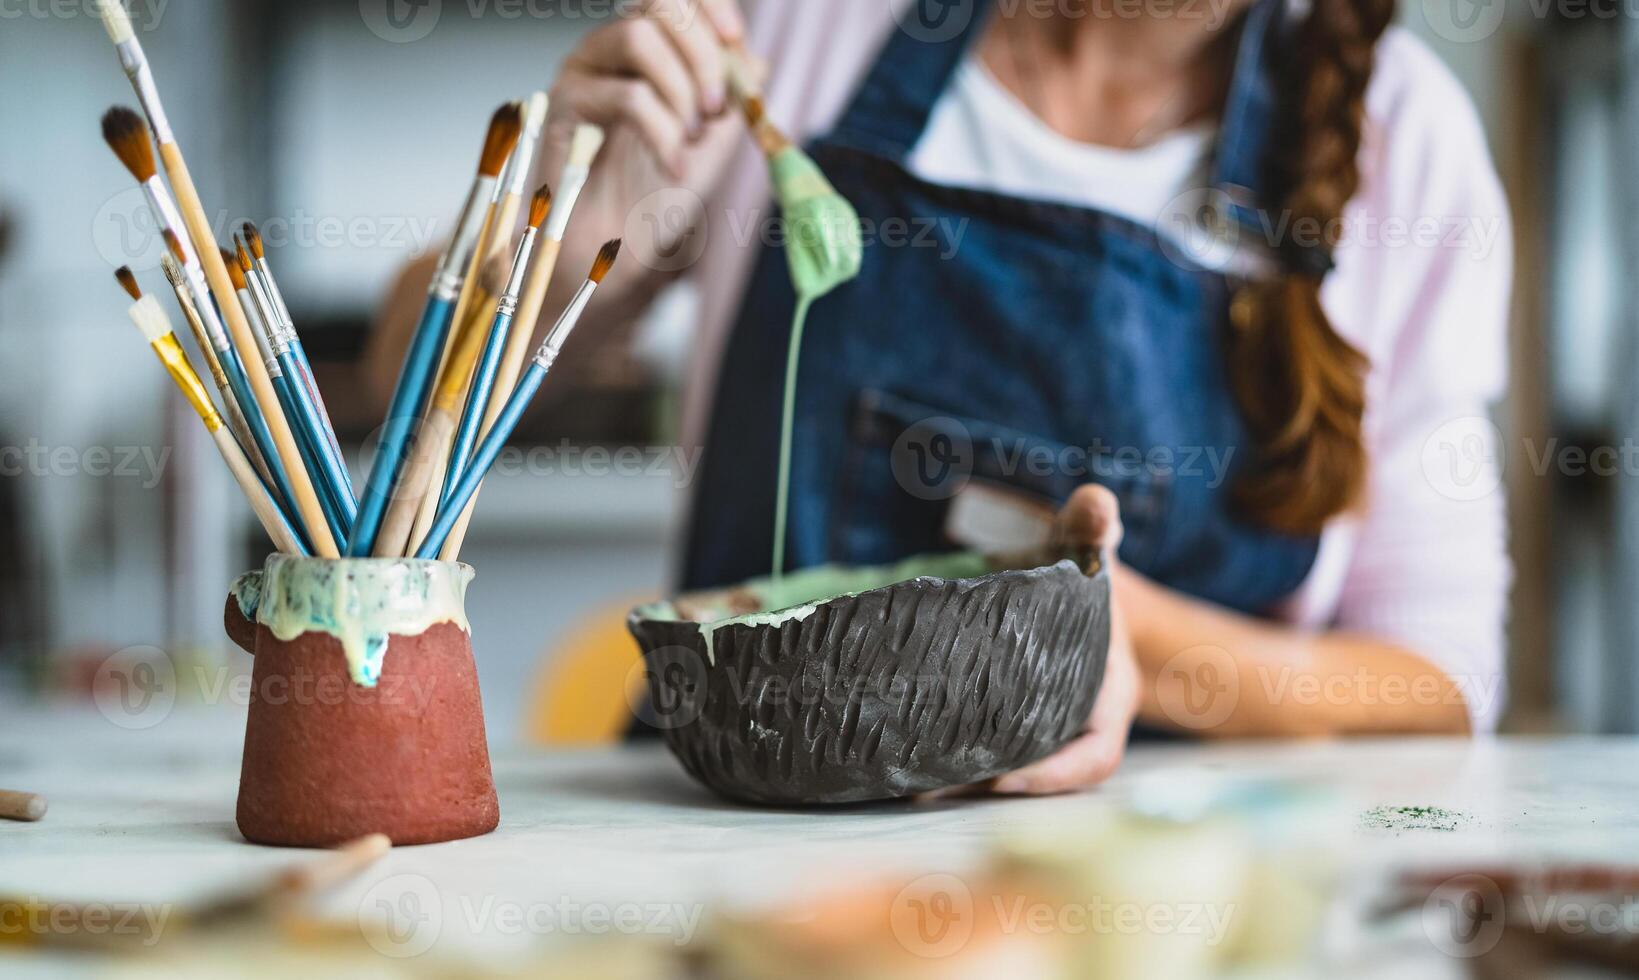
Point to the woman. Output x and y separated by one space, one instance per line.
1313 580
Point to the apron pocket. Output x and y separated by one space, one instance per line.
906 461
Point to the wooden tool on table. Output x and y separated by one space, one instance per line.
26 807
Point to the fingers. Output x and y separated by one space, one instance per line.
700 44
610 101
1094 757
642 48
1087 761
726 17
1091 520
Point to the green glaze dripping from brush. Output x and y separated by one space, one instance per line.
824 250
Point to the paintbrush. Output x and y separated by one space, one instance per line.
292 398
824 248
150 318
417 377
423 470
264 272
483 376
25 807
519 400
135 62
213 361
583 150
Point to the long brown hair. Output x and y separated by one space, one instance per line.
1301 386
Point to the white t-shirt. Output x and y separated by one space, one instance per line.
1421 287
980 135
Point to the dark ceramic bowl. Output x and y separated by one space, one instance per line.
925 684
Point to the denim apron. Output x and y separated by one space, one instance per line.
1023 343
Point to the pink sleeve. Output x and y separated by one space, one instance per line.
1423 288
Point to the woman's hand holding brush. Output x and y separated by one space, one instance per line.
656 82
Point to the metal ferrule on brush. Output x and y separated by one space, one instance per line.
520 267
201 293
559 334
165 212
170 352
260 267
136 68
280 334
264 336
452 268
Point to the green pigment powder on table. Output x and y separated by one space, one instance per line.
1402 819
823 250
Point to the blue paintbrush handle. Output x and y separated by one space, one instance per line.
409 401
472 416
306 374
488 450
313 448
283 494
332 468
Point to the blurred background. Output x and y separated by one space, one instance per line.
333 126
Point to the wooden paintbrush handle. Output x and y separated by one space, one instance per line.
272 521
27 807
334 868
216 273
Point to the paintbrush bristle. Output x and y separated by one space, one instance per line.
150 318
173 271
539 205
237 265
755 111
535 112
253 238
585 144
501 139
128 281
173 245
605 260
115 20
127 136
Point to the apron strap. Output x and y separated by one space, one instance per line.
892 107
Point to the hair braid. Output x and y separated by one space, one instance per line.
1301 386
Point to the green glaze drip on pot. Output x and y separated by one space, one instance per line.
823 249
360 601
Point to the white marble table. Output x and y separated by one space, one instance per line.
147 816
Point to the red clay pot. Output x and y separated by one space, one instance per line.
328 759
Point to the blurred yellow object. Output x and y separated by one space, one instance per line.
589 683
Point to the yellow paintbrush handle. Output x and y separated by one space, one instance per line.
216 273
